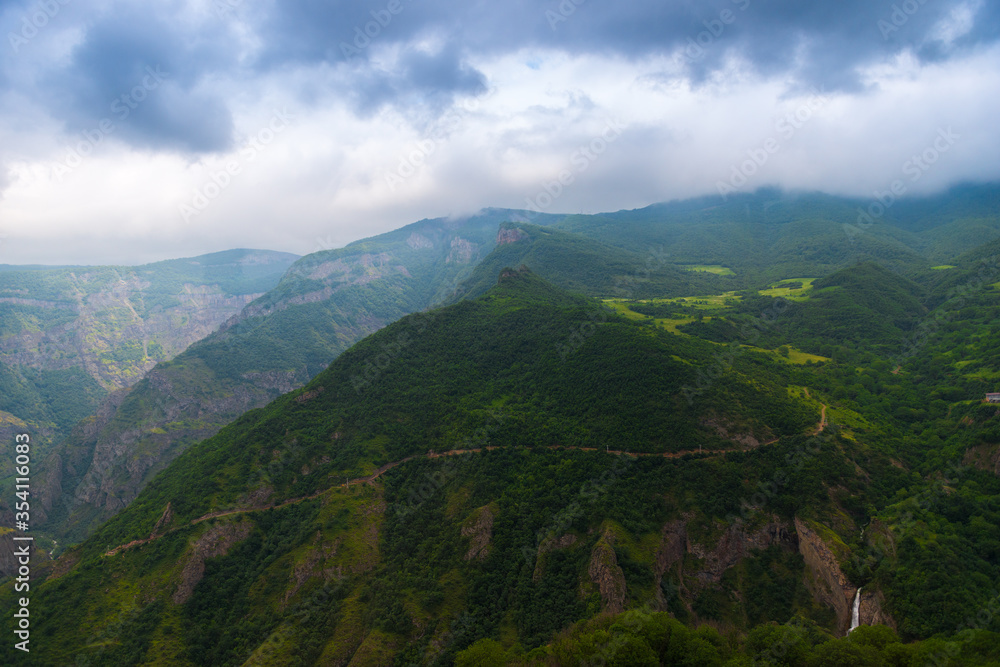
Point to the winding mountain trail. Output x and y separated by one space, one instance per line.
155 535
822 414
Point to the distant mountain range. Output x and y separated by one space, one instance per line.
488 429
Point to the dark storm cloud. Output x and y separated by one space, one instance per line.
813 44
425 84
821 42
145 71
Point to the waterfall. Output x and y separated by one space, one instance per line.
856 612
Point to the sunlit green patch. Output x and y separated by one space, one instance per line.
710 268
791 355
620 307
799 357
671 325
794 289
841 416
702 302
943 267
984 374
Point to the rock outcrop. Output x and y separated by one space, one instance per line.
511 235
605 572
985 457
824 577
872 610
734 545
214 542
479 529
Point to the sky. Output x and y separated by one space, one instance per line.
133 131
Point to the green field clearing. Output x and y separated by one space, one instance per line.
619 307
707 268
800 357
701 302
793 294
943 267
845 417
671 325
795 356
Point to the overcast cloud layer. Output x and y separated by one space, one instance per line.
134 131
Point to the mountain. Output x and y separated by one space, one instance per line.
115 323
577 263
490 372
331 299
530 476
325 302
866 307
69 336
771 234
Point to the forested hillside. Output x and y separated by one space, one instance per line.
468 482
602 449
323 304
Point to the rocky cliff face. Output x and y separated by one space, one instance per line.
824 577
115 323
479 531
511 235
734 545
605 572
872 610
985 457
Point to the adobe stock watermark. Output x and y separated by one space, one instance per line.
899 17
223 8
122 107
363 35
35 21
786 128
581 159
915 168
714 28
221 179
416 159
562 12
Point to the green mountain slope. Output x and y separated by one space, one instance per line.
865 307
770 235
463 477
582 265
323 304
487 372
332 299
70 335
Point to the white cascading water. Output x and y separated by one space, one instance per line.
856 612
